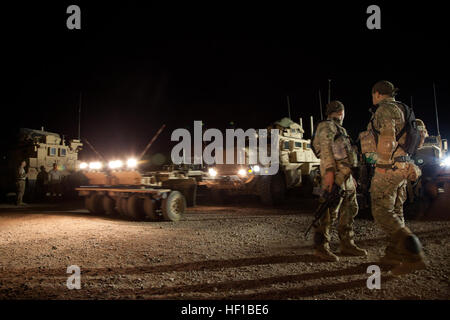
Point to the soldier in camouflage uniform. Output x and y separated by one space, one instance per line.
337 158
388 187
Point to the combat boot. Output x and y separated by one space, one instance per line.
348 247
391 256
322 247
410 250
323 252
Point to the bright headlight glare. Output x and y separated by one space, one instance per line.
95 165
212 172
132 163
256 168
446 162
242 172
115 164
83 165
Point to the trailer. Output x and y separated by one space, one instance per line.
134 202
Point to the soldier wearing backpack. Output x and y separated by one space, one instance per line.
337 154
396 137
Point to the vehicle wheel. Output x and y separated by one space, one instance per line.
272 189
173 206
121 205
188 187
135 208
306 189
149 206
88 203
109 206
431 189
94 203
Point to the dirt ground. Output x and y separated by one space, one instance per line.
239 251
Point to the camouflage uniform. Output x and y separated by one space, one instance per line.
347 208
20 185
388 193
388 189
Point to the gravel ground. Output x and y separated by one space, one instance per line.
228 252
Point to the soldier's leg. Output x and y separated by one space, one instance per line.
348 212
322 236
401 198
404 249
383 192
20 191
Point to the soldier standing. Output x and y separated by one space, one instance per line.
41 183
337 157
388 187
20 183
54 179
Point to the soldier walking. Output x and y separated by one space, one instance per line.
20 183
337 157
388 187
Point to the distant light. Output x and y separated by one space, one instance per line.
446 162
131 163
95 165
256 168
115 164
83 165
212 172
242 172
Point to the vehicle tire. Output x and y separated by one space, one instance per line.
135 208
272 189
307 187
173 206
88 203
149 206
121 206
94 203
431 190
188 187
109 206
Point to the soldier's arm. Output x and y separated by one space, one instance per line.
326 136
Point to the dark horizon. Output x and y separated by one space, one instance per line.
140 67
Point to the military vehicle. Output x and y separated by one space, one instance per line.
298 167
40 148
129 194
430 158
119 189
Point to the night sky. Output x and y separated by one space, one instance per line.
139 67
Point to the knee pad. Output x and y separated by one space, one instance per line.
412 244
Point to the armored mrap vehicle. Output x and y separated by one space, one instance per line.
298 167
39 148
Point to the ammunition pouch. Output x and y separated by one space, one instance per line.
343 149
339 149
368 143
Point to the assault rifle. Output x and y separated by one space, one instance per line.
331 199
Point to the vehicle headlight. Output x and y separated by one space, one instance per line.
115 164
242 172
257 168
212 172
446 162
83 165
132 163
95 165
